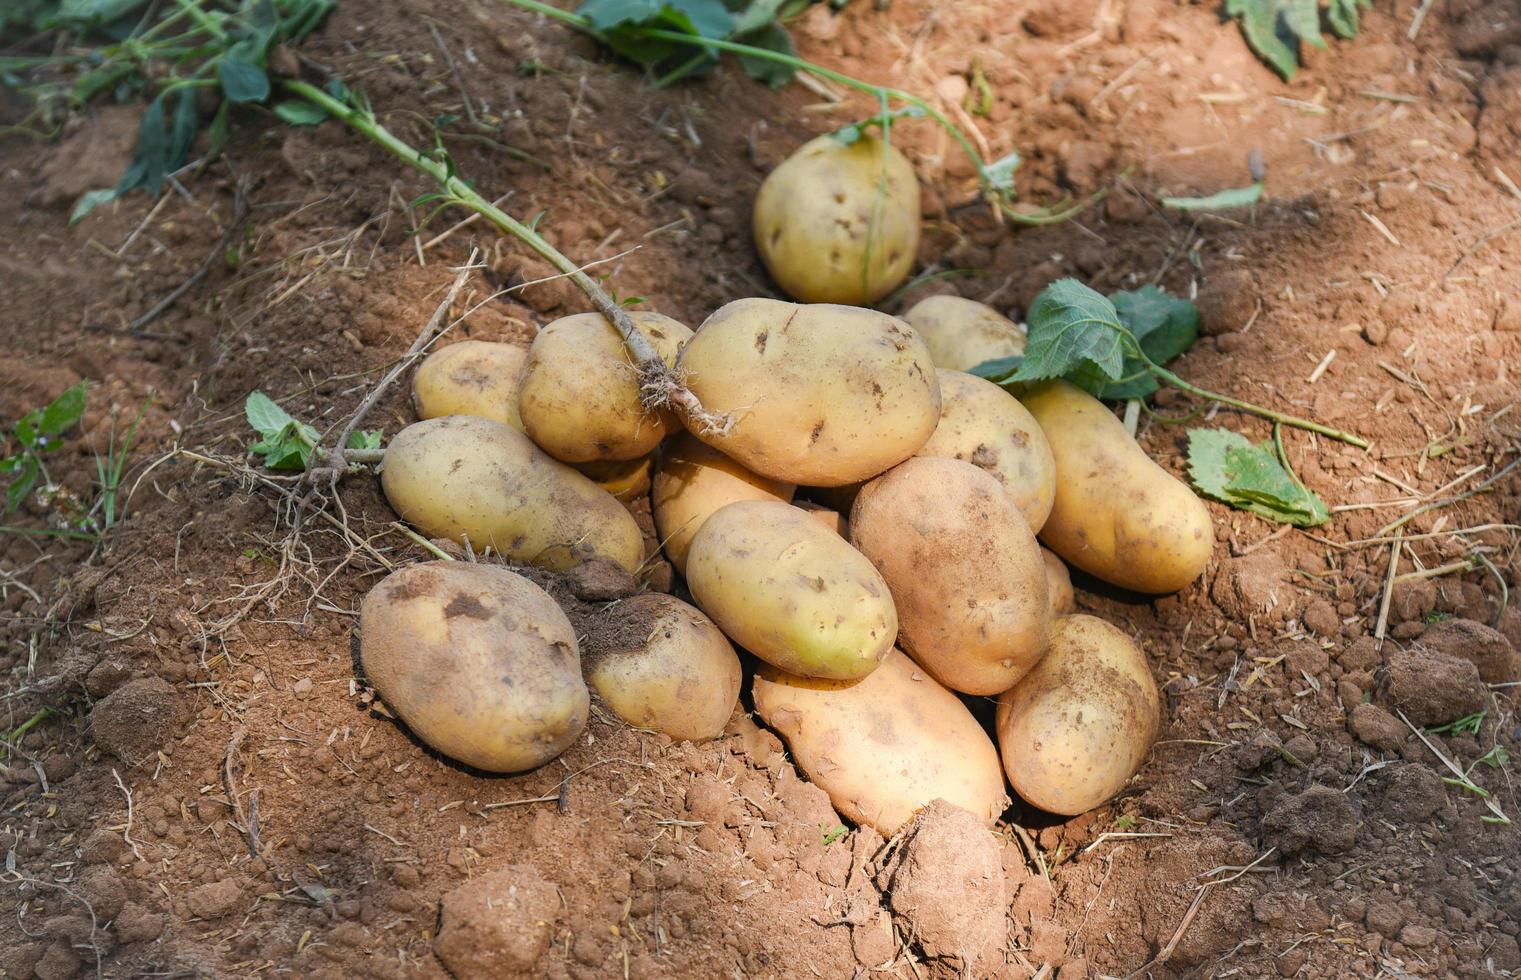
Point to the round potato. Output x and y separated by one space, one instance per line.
791 591
579 396
982 424
1080 724
963 333
691 482
1117 514
662 665
469 478
884 746
472 377
837 223
832 519
818 395
1058 584
477 661
964 570
626 479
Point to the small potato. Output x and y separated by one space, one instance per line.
837 223
791 591
986 426
662 665
1117 514
463 477
472 377
884 746
626 479
692 481
819 395
579 397
479 663
963 333
832 519
1080 724
1058 584
964 570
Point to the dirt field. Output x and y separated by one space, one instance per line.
199 662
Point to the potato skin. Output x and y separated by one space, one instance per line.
677 674
982 424
625 479
479 662
1117 514
472 377
579 396
963 333
819 395
1079 725
964 570
691 481
460 476
832 519
1061 599
824 232
884 746
791 591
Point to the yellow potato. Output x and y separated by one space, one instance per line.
963 333
985 425
832 519
472 377
884 746
662 665
477 661
625 479
1117 514
693 480
463 477
1080 724
1058 584
837 223
965 572
579 396
791 591
819 395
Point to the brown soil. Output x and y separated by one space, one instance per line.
214 794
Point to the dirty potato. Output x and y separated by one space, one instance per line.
692 481
472 377
1061 599
963 333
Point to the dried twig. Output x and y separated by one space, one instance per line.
240 211
1193 909
126 833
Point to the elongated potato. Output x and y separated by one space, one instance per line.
963 333
1080 724
465 477
478 661
662 665
884 746
818 395
472 377
982 424
626 479
692 481
1058 584
791 591
579 397
1117 514
964 570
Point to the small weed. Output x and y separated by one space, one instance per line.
1125 822
286 442
1437 617
1467 725
110 467
832 834
35 435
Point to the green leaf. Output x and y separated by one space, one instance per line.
1235 197
286 443
1164 326
1302 17
772 37
22 484
96 11
1495 758
1075 333
89 201
999 174
242 81
298 113
1266 33
604 15
182 129
1225 466
1345 16
364 440
64 411
264 416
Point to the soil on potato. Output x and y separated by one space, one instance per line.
212 793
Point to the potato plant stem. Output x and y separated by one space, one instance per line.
1267 413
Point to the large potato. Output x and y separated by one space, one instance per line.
985 425
963 333
472 377
1058 584
662 665
477 661
464 477
837 223
819 395
791 591
1080 724
579 397
1117 514
692 481
884 746
964 570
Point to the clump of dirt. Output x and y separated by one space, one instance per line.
497 925
1433 688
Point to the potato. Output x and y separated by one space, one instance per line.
472 377
818 395
691 482
1058 584
832 519
964 570
477 661
884 746
579 396
626 479
963 333
1117 514
1080 724
464 477
830 230
985 425
791 591
662 665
